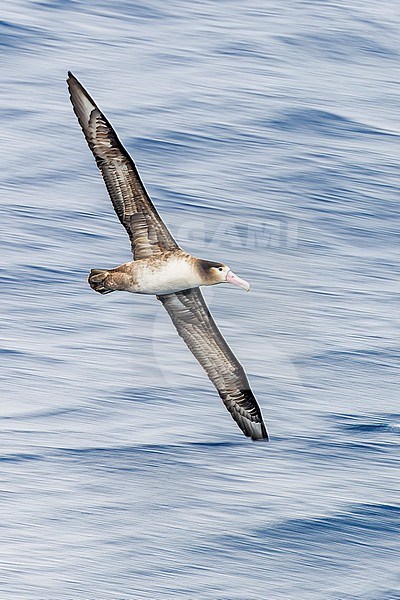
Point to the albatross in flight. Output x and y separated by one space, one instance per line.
162 268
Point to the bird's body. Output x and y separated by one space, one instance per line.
160 267
166 273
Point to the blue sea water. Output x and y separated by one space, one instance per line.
268 136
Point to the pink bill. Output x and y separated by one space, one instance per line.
232 278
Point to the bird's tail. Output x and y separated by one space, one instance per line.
98 281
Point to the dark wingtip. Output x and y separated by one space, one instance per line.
260 436
253 429
264 432
264 435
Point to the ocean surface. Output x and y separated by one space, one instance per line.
267 133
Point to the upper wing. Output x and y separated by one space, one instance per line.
135 210
194 323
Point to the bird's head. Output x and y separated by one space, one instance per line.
213 273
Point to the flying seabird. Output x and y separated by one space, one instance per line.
162 268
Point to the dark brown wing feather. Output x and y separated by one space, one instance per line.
135 210
194 323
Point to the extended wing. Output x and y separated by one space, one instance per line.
135 210
194 323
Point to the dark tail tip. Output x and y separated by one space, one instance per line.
98 281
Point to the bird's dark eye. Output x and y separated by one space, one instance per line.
219 268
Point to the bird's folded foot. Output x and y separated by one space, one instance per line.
98 281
